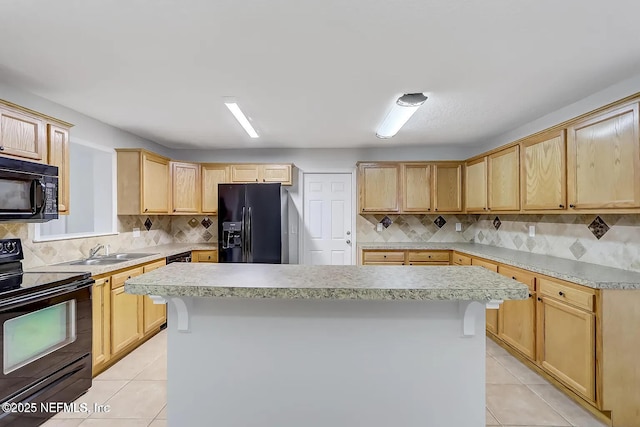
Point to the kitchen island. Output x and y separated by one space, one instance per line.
315 346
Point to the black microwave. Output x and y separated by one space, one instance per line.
28 191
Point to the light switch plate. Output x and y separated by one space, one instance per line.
458 226
379 226
532 231
136 232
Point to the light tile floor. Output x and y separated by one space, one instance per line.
136 387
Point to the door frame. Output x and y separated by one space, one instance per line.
301 234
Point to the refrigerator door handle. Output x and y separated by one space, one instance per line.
249 237
243 238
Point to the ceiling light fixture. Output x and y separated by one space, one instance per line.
401 112
232 105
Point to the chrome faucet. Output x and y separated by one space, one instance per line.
94 251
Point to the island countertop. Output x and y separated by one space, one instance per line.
291 281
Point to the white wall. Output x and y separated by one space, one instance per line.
85 127
599 99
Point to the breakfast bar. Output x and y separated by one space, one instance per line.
276 345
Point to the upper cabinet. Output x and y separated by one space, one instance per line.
143 182
185 188
544 172
22 135
58 151
603 160
447 186
378 187
246 173
212 175
476 185
504 180
416 187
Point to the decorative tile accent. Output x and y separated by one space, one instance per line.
577 249
148 224
531 243
194 223
440 222
517 241
480 236
207 236
206 222
497 223
598 227
386 222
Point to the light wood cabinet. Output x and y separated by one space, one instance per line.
212 175
377 257
154 314
204 256
126 313
143 182
416 187
22 135
185 188
58 155
492 315
603 160
476 185
544 172
447 186
246 173
504 180
517 325
378 187
101 323
567 350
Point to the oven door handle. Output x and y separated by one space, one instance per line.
17 301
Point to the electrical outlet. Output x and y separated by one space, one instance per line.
379 226
458 226
136 232
532 231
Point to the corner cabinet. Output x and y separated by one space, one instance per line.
185 188
603 160
378 187
143 182
544 172
476 185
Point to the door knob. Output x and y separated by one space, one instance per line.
348 242
348 233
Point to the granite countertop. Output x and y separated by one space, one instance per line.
159 252
582 273
291 281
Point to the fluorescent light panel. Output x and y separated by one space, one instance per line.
400 113
241 118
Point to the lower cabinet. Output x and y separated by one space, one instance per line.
155 315
126 313
101 314
492 315
204 256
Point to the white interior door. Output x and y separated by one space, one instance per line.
327 219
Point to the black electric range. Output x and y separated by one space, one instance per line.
45 337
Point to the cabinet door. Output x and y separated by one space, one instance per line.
544 172
126 313
155 184
212 175
22 135
185 187
416 188
504 180
567 349
154 314
276 173
59 156
101 315
517 325
603 161
447 183
204 256
378 187
476 185
492 315
245 173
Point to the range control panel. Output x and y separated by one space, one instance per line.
10 249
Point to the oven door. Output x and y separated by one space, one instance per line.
42 333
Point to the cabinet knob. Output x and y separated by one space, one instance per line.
209 256
264 180
410 264
429 256
572 206
175 210
561 293
128 277
513 277
256 179
146 210
428 209
530 295
539 299
436 209
561 206
106 281
1 148
384 256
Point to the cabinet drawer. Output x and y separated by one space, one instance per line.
485 264
460 259
204 256
379 256
117 280
428 256
429 263
383 263
570 295
519 275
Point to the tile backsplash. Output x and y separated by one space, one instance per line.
414 228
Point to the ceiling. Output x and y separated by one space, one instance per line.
316 74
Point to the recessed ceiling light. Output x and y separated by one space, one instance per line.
232 105
400 113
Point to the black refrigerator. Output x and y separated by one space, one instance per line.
249 223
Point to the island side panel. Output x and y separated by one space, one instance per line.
318 363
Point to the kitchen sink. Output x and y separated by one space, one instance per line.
110 259
127 256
